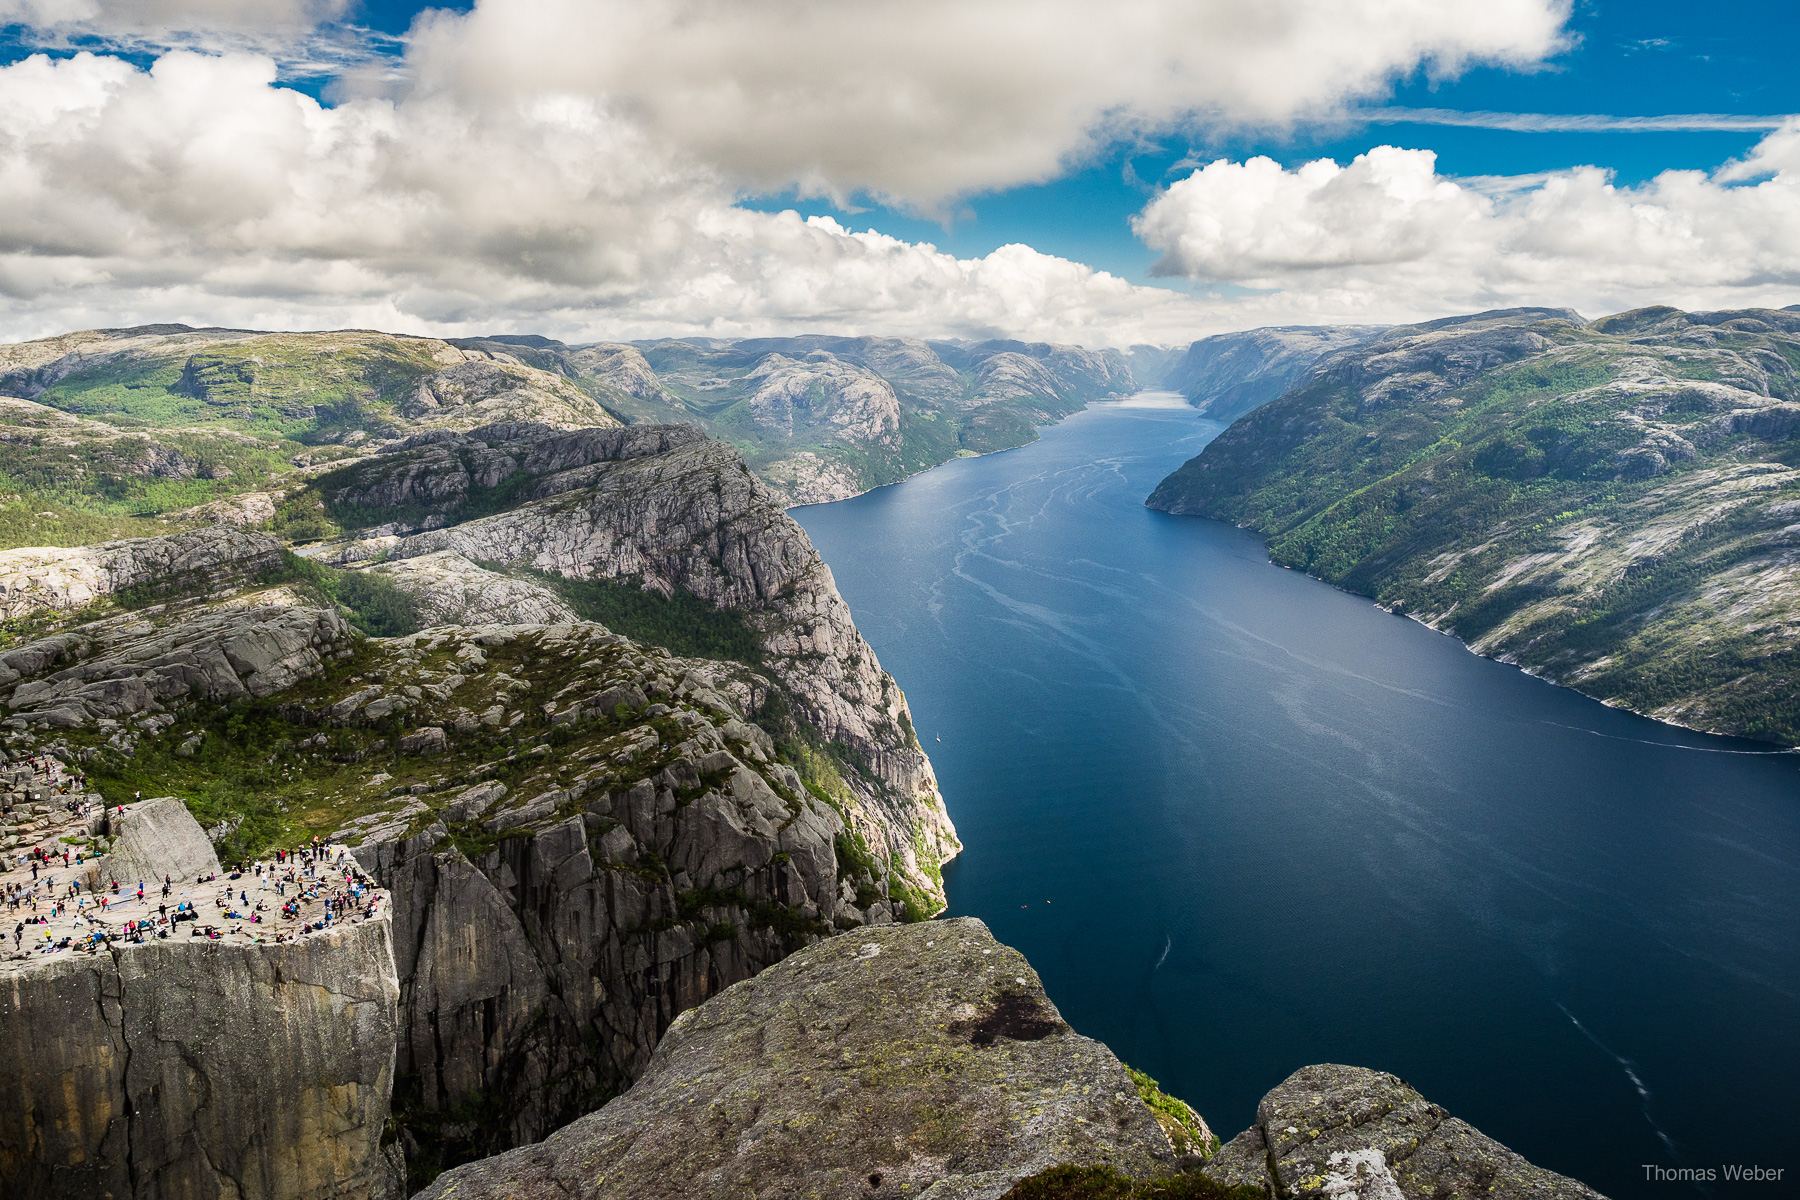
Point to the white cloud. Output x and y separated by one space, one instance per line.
570 167
1390 237
197 191
122 19
308 38
918 101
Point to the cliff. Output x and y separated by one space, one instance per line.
905 1061
1228 374
671 514
1608 504
926 1061
583 836
193 1068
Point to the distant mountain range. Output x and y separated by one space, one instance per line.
821 418
817 418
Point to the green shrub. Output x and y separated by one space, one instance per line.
1183 1125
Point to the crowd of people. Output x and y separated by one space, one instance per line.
56 905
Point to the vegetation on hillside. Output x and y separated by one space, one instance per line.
681 623
1606 509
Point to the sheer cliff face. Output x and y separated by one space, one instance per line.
584 836
923 1060
810 1080
171 1069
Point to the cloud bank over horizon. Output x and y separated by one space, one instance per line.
575 167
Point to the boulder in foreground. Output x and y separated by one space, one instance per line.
1335 1131
919 1061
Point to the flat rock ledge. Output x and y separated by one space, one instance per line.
1335 1132
921 1061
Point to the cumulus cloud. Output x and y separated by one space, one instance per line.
1387 235
196 190
917 101
309 38
571 166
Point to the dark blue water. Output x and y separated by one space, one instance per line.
1242 822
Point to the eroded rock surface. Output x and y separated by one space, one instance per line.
1335 1131
918 1061
451 590
34 578
667 508
131 667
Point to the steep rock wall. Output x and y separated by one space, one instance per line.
547 933
676 511
920 1060
177 1069
696 519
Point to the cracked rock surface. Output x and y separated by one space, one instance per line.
669 509
918 1061
1337 1131
40 577
175 1070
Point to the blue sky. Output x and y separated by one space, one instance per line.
1065 169
1637 58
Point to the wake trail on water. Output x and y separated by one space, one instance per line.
1168 944
1631 1073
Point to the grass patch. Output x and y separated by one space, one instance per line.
1177 1117
682 624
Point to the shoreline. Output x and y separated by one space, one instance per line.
1773 747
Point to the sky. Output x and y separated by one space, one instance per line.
1069 170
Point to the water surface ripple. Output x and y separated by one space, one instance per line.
1241 822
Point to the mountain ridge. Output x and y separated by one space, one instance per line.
1605 504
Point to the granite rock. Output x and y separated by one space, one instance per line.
921 1060
175 1069
36 577
154 839
1336 1131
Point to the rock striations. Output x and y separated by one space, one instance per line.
180 1067
175 1069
